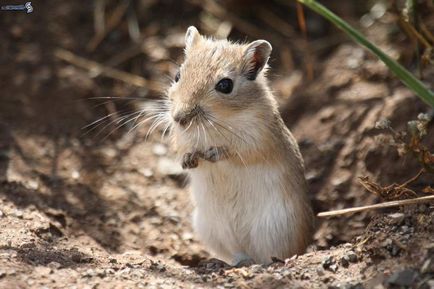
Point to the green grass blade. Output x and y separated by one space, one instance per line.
403 74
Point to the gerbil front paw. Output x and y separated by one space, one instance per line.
190 160
214 154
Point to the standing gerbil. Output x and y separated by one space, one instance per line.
246 171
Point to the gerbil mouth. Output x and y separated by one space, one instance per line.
201 128
185 118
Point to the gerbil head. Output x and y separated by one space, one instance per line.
219 83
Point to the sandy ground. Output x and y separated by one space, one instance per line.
101 210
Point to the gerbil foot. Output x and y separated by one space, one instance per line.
190 160
242 260
245 263
213 264
214 154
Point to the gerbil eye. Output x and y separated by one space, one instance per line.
177 76
225 85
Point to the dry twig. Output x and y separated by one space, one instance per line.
393 191
307 51
113 21
244 26
425 199
97 68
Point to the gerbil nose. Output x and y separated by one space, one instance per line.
184 117
181 118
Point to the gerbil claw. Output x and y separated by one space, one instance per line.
214 154
190 160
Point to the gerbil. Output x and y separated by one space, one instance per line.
246 171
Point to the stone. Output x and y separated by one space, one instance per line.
146 172
333 268
327 264
18 213
428 266
345 261
396 218
352 257
405 277
75 175
320 271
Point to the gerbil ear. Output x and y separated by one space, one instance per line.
255 58
192 36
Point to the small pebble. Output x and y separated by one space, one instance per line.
334 268
75 175
33 185
320 271
405 277
100 273
428 266
305 276
352 257
423 208
396 218
345 261
187 236
405 229
18 213
394 250
89 273
109 271
146 172
113 260
54 265
328 262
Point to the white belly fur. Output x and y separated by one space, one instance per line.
248 211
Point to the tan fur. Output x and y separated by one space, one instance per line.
253 204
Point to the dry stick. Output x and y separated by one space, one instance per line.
326 42
426 32
99 16
377 206
277 23
98 68
113 21
286 30
307 52
133 25
246 27
412 179
125 55
413 33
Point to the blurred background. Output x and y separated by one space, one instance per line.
70 63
